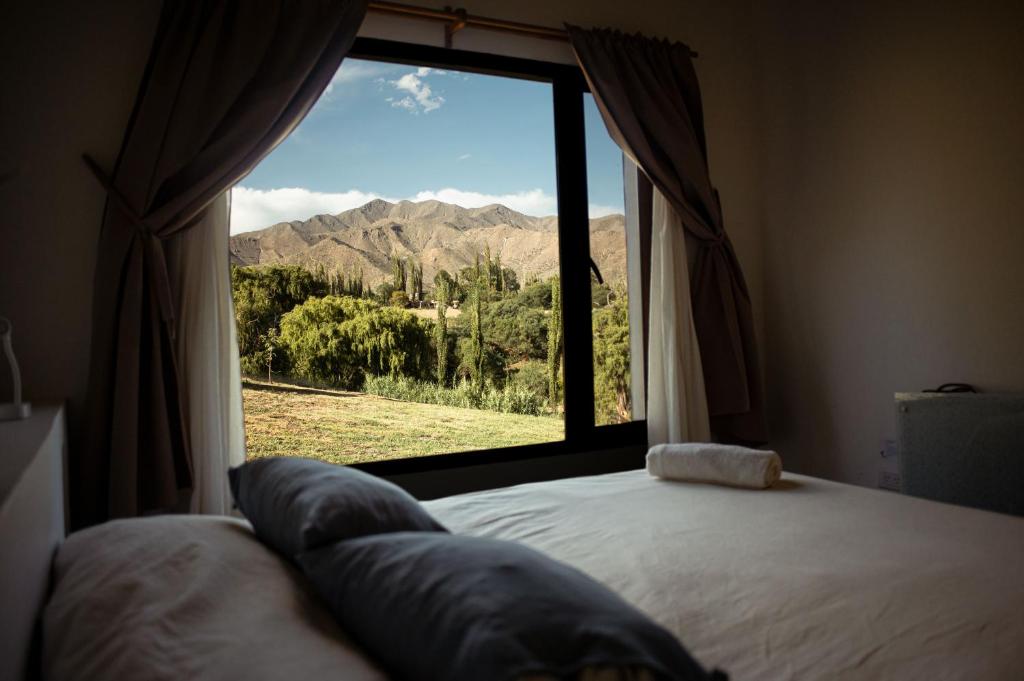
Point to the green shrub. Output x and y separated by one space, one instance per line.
533 376
251 366
511 399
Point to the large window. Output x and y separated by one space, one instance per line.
421 277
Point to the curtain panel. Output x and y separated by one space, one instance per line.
677 408
649 98
207 348
225 83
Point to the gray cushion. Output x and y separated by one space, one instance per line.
298 505
431 606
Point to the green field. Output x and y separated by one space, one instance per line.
349 427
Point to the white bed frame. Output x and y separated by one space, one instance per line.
32 526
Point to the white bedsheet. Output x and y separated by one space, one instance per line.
808 580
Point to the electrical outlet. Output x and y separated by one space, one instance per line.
889 480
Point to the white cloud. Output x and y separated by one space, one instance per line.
352 71
530 202
258 208
463 157
403 103
421 97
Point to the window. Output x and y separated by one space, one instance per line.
614 377
412 272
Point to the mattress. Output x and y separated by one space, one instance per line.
809 580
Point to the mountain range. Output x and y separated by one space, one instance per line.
438 235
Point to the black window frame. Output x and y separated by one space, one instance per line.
568 88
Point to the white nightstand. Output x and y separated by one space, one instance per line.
32 525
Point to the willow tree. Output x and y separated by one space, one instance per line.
554 342
441 332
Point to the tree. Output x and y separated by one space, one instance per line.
455 292
270 342
336 340
509 280
383 292
488 268
600 293
519 330
611 362
398 274
356 286
476 334
415 281
441 331
262 294
399 299
536 294
555 342
443 276
320 274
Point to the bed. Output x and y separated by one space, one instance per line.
808 580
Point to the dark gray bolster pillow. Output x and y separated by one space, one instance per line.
433 607
297 505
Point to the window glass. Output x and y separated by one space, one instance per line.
395 270
613 394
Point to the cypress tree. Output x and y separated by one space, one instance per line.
398 276
441 333
416 281
476 334
488 268
554 342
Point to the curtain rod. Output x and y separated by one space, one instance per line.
457 19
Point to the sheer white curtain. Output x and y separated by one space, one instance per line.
208 353
677 407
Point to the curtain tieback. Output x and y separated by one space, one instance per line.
152 244
718 241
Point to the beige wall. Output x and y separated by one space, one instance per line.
892 162
71 71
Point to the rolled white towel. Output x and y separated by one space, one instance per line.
726 464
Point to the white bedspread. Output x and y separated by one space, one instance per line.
809 580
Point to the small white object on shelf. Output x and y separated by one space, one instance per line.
16 409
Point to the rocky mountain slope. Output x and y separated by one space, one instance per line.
438 235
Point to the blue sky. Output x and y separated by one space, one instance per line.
402 132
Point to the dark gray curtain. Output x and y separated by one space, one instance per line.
225 83
649 97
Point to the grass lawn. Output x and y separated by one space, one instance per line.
347 427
